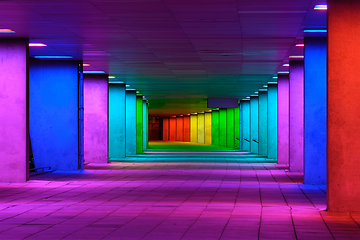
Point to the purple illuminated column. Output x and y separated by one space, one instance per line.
96 118
296 88
283 120
14 130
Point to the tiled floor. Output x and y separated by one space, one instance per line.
171 200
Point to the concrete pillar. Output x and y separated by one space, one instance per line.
130 122
263 123
96 118
296 116
215 127
180 129
222 127
343 98
117 121
139 124
145 125
208 130
186 128
315 111
54 114
254 124
283 120
193 128
230 130
14 115
237 127
245 125
166 128
272 121
172 129
201 127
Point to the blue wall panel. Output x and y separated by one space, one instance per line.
53 98
130 123
315 111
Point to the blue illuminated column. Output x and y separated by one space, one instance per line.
283 120
315 111
14 118
254 124
130 101
116 121
296 116
272 121
263 123
54 114
145 124
245 125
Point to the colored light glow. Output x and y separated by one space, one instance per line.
6 31
320 7
296 56
315 30
286 65
300 45
127 85
275 77
247 97
272 82
53 57
111 77
283 72
265 86
262 89
116 82
256 92
93 72
37 45
86 64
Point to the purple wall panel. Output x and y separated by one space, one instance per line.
14 132
283 120
96 118
296 116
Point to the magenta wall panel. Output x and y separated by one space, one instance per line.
96 118
283 120
14 131
296 116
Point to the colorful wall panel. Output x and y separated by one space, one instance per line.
96 118
193 128
186 128
215 127
208 132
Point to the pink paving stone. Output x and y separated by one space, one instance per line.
164 200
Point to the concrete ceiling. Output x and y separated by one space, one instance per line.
175 52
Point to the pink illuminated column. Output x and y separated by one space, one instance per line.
180 129
283 120
296 134
343 116
165 129
95 118
187 128
14 115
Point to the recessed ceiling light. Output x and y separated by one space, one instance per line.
275 77
296 56
127 85
37 45
86 64
265 86
53 57
93 72
283 72
286 65
299 45
111 77
263 89
256 92
315 31
320 7
247 97
116 82
272 82
6 31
